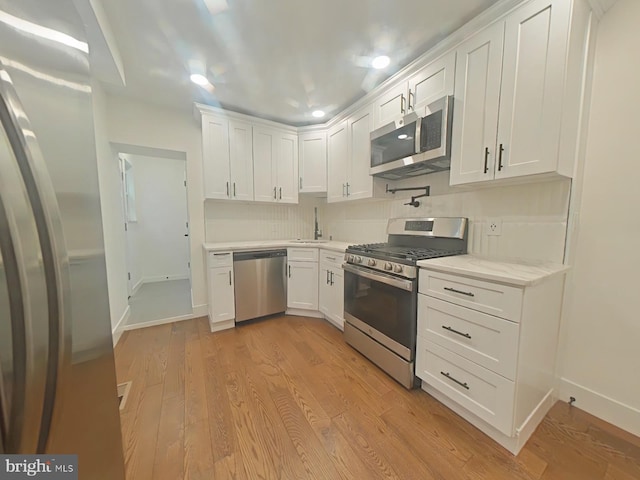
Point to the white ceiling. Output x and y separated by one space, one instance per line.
276 59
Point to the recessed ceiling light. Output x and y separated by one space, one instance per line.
199 79
318 113
402 136
380 62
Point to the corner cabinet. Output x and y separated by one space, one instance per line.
514 93
222 310
302 279
227 158
275 160
312 162
349 158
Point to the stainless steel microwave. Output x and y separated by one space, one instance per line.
414 145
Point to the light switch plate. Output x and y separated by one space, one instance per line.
494 226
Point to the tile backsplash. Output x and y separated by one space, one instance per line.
534 218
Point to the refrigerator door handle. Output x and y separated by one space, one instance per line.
45 366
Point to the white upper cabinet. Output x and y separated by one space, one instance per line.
509 94
337 162
275 165
430 83
475 108
215 156
349 158
359 181
312 162
241 160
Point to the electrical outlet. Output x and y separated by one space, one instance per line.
494 226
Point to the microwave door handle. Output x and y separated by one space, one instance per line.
53 354
418 136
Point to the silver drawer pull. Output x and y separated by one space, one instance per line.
331 258
466 335
463 385
220 254
468 294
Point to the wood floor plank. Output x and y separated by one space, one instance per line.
287 398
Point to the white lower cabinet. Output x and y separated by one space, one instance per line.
302 278
487 350
331 291
222 310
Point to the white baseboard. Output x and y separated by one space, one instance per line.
619 414
116 333
298 312
162 321
339 326
224 325
201 310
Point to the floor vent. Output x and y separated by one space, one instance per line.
123 393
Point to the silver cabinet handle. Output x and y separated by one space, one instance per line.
289 271
331 278
229 277
486 159
402 110
468 294
227 189
280 193
274 193
234 189
221 254
463 385
410 95
466 335
500 152
327 277
348 189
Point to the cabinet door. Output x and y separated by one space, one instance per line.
221 296
359 181
215 156
241 160
391 106
287 167
312 161
337 297
264 154
476 104
325 291
302 285
337 162
532 88
432 82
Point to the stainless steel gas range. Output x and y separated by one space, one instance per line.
381 289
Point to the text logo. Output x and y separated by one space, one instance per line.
51 467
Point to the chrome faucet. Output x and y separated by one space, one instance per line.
317 233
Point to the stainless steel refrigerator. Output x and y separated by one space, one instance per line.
57 382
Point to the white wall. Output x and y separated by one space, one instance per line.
112 214
159 249
600 349
534 217
135 123
236 221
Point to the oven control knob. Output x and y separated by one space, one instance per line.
397 268
358 260
371 262
388 266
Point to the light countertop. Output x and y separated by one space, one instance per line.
264 244
520 274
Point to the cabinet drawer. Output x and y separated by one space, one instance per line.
484 339
302 254
488 297
482 392
331 258
220 259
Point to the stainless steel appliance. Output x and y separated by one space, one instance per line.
414 145
57 377
381 287
260 283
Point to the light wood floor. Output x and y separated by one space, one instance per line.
286 398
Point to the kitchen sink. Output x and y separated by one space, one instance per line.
309 241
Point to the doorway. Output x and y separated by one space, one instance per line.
154 200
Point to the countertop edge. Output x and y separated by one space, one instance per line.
477 273
268 244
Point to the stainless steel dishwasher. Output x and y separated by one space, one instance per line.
260 283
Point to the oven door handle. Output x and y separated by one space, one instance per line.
379 277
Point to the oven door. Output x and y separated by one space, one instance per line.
383 307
